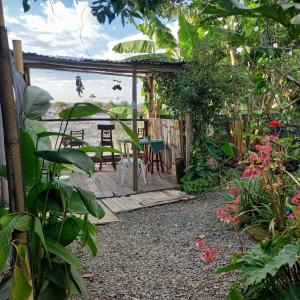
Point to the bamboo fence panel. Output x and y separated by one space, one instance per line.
169 131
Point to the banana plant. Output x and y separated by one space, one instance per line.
286 13
57 211
161 38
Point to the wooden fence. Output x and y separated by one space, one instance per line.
171 132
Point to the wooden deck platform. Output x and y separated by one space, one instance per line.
104 183
116 198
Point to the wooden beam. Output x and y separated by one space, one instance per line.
134 128
27 75
18 55
189 137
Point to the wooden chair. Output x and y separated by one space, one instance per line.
107 141
79 134
68 142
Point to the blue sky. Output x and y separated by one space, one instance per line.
66 28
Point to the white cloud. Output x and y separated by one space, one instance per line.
56 31
60 30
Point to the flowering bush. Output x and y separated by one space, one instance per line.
228 213
295 206
271 269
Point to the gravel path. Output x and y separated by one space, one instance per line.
150 254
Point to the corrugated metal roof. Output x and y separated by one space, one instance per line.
34 60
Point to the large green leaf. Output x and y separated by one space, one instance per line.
21 288
291 293
69 156
63 253
44 134
79 282
39 231
79 110
36 102
31 165
99 150
227 148
188 37
57 274
132 135
90 202
135 46
4 254
281 12
3 171
37 195
258 267
76 206
10 222
159 33
91 243
66 231
34 127
52 291
23 222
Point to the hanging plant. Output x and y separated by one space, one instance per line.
79 86
117 85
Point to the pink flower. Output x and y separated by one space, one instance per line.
271 138
295 199
209 254
253 158
201 244
234 191
223 215
252 171
295 213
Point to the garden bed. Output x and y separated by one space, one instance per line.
150 254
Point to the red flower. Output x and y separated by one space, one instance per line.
274 123
234 191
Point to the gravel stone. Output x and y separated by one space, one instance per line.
150 254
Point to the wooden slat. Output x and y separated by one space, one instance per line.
106 191
93 187
108 218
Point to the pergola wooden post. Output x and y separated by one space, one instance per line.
11 135
134 128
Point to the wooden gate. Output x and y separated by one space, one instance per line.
170 131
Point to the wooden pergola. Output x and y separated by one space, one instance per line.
130 68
